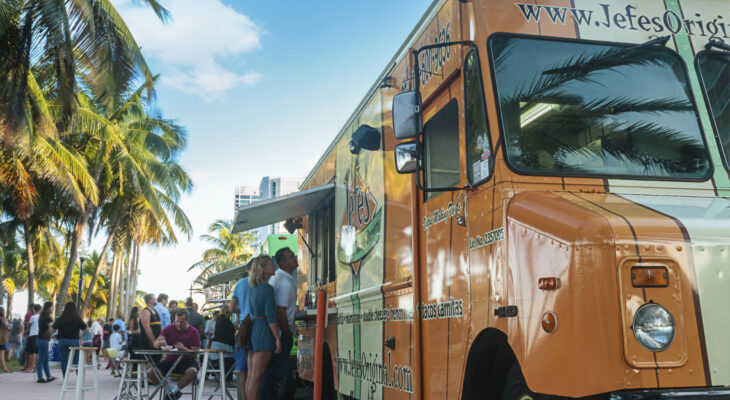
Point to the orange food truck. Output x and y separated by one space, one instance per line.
530 201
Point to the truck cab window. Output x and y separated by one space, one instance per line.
441 145
714 68
480 161
586 109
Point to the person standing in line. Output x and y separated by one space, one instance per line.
133 332
44 336
150 323
4 338
120 321
86 339
161 308
105 336
195 319
31 350
69 326
96 334
285 293
224 335
265 338
16 338
172 306
239 305
209 329
26 331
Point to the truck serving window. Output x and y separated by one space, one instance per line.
714 68
587 109
480 161
441 141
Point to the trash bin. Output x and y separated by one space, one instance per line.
54 356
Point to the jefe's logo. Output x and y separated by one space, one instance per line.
360 229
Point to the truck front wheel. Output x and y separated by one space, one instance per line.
515 387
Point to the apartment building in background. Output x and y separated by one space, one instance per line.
269 187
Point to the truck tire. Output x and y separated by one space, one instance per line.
515 387
328 377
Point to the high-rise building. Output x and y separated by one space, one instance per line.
245 195
268 189
275 187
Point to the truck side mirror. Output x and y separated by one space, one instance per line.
406 157
406 115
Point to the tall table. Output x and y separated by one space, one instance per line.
163 379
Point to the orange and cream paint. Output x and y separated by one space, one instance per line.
417 283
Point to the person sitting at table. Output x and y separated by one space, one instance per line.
182 337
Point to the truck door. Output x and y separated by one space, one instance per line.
443 245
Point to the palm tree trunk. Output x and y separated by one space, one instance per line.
136 273
31 263
77 237
127 277
131 295
97 270
112 303
2 290
9 308
118 283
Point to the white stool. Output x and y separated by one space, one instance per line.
129 381
221 391
80 369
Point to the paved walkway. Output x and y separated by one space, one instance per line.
23 386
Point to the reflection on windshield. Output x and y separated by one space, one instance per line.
714 70
587 109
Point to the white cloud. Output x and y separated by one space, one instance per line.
191 45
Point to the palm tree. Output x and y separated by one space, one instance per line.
84 36
228 250
132 154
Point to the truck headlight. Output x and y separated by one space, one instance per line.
654 327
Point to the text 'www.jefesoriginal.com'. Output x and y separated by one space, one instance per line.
372 369
627 18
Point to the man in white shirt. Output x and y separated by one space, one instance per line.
31 350
285 293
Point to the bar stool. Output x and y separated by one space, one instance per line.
131 386
80 369
220 391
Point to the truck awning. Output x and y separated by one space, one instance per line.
226 276
281 208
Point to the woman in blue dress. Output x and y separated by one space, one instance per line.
265 330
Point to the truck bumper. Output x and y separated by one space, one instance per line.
673 394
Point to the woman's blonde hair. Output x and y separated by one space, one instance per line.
256 273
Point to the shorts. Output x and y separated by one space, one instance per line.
30 347
181 367
4 346
241 358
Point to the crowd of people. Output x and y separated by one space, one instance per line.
267 298
264 302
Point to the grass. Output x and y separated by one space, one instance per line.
13 365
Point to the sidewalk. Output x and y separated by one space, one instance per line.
23 386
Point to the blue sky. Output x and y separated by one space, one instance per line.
262 88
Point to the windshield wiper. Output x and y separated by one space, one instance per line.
718 44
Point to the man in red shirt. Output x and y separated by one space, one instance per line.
26 329
183 337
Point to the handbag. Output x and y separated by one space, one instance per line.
4 333
243 336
